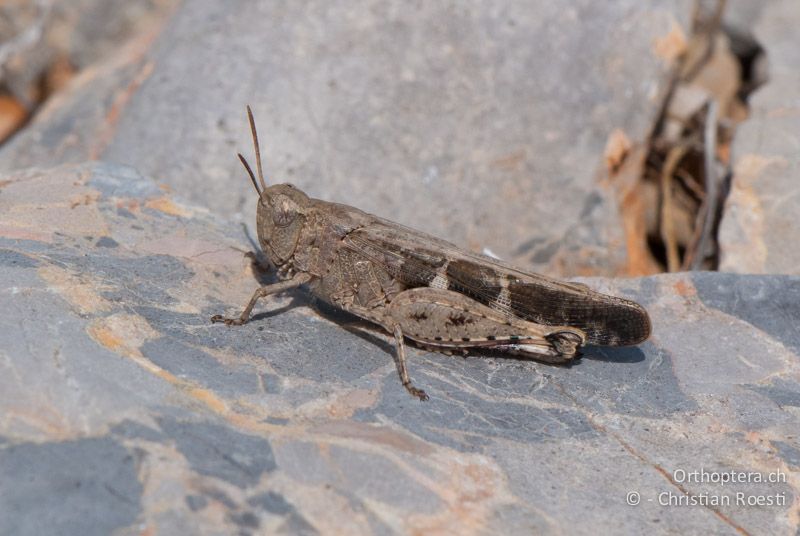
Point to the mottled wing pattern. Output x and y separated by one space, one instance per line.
417 259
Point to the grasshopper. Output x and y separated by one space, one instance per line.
419 287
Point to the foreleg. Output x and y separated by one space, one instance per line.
261 292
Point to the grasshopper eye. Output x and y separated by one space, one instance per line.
284 211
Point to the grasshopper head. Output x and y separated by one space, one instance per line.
280 218
281 210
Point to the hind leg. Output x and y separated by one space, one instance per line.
448 320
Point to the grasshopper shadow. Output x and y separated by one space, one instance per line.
625 354
298 298
348 321
351 323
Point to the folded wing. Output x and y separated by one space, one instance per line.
417 260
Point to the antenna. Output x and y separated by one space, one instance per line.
249 172
258 151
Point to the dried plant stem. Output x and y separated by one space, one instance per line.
667 218
711 185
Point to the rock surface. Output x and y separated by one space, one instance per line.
123 409
760 224
483 124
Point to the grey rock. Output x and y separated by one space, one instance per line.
274 503
220 452
484 124
14 259
271 502
781 392
196 502
133 430
760 217
186 362
762 302
111 375
788 452
85 486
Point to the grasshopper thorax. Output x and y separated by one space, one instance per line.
280 218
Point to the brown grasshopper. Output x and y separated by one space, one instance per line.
417 286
